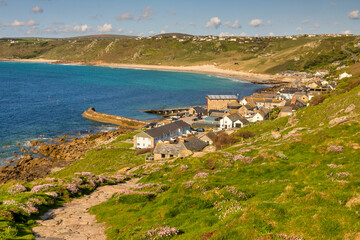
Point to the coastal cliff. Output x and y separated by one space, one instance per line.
117 120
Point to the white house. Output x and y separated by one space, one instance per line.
261 115
149 138
232 120
344 75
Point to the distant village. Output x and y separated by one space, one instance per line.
189 130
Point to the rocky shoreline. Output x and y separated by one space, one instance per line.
43 158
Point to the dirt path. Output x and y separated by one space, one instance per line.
72 221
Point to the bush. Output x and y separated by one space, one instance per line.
245 134
317 100
143 150
222 140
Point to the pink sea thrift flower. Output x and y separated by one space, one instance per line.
17 188
334 148
72 188
41 188
201 175
162 232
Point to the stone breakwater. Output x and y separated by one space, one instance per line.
43 158
117 120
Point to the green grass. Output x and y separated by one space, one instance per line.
304 53
295 186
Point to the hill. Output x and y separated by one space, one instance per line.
290 178
250 54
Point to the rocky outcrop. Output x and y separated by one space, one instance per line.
117 120
47 156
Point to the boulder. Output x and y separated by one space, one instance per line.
350 108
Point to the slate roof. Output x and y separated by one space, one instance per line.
195 144
235 117
173 149
171 127
200 110
222 97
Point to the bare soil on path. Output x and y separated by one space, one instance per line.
73 222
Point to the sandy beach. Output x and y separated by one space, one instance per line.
202 69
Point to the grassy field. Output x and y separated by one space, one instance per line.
304 185
259 55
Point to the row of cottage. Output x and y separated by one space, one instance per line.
177 138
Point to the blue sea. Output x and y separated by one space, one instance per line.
40 101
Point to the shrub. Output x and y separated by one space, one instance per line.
317 100
245 134
222 140
143 150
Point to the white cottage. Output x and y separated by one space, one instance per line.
149 138
232 120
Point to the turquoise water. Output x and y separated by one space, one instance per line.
46 101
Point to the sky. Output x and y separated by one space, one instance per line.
66 18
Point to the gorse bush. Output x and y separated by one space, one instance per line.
222 140
244 134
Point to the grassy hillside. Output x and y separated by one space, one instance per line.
303 185
261 55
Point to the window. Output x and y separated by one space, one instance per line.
162 155
171 155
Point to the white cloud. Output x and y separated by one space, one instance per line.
257 35
162 31
166 27
125 16
269 22
298 28
82 28
214 22
256 22
333 4
315 26
131 31
354 14
3 4
173 13
105 28
346 32
152 32
146 14
305 21
120 30
271 34
17 23
243 34
37 9
192 24
235 25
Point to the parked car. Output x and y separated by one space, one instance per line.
194 119
200 130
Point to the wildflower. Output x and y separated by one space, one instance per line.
343 174
31 207
184 166
189 183
35 200
17 188
238 157
334 148
334 166
162 232
72 188
235 192
10 202
84 173
227 208
41 188
201 175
